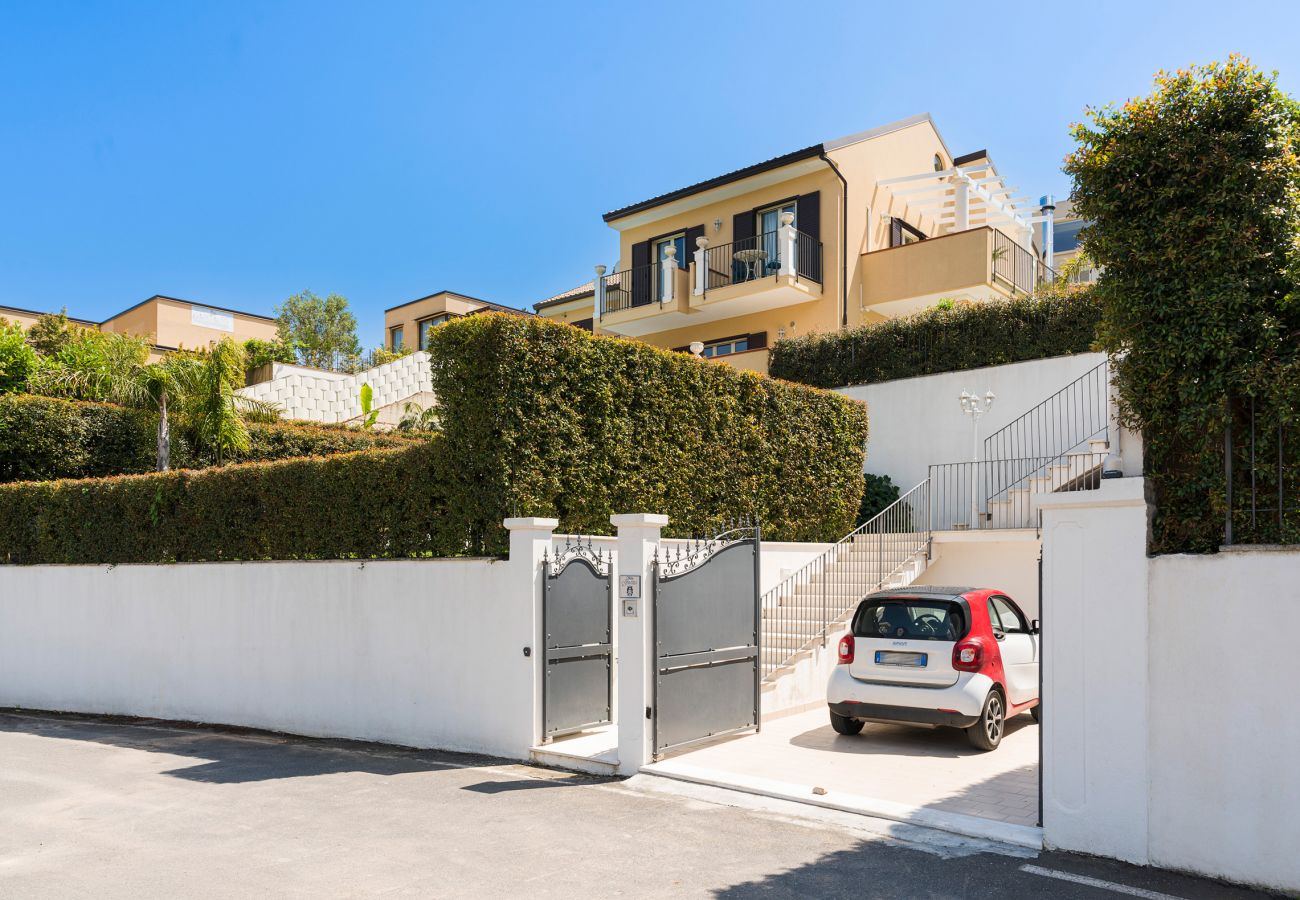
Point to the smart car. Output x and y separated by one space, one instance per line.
937 656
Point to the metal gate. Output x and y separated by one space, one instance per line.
706 636
576 626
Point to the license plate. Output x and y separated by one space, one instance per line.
899 658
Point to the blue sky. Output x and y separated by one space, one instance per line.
236 153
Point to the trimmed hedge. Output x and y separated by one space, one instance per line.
44 438
543 419
942 339
372 504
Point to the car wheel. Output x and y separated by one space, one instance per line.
845 725
1037 712
986 734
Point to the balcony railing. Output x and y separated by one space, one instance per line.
757 257
631 287
1017 267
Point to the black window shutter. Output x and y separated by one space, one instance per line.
895 232
584 324
758 340
695 231
641 276
809 220
742 236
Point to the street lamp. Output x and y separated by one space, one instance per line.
975 406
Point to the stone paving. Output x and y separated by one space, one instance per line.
936 769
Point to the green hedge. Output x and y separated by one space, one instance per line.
44 438
544 419
372 504
942 339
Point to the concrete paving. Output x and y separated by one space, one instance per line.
937 769
92 808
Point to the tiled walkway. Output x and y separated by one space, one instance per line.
937 769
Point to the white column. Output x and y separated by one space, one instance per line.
961 201
786 236
1095 667
701 264
638 538
530 538
668 272
600 295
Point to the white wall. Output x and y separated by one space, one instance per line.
1002 559
421 653
332 397
1225 785
916 422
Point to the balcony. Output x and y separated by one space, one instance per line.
974 265
750 275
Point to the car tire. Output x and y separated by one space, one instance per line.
845 725
986 734
1037 712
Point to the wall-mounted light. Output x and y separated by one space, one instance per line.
717 224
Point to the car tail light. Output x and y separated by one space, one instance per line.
968 655
846 649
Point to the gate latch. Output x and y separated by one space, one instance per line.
528 651
647 712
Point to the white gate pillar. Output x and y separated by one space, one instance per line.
530 539
638 539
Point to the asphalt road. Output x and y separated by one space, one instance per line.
93 808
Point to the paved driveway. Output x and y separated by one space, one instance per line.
936 769
96 809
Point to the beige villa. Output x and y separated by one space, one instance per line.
871 226
169 323
408 324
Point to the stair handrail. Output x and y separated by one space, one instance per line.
909 514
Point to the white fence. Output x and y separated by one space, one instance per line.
1169 696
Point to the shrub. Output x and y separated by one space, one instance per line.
1194 193
942 339
372 504
544 419
879 491
17 360
44 438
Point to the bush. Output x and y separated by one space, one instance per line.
942 339
17 360
1194 197
544 419
372 504
878 493
43 438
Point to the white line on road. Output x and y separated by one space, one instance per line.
1098 883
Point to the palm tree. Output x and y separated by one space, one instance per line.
198 386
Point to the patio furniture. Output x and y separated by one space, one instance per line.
752 260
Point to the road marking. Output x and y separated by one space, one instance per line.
1098 883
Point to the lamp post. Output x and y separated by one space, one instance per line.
975 406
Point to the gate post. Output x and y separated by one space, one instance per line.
530 539
638 539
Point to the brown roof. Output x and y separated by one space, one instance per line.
576 293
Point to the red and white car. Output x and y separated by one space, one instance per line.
961 657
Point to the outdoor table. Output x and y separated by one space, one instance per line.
753 259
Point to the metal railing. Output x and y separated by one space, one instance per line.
998 493
753 258
1017 267
631 287
1261 468
882 552
1065 421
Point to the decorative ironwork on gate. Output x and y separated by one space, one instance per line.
577 629
706 626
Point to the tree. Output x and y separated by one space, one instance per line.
258 352
323 332
17 360
51 332
1194 196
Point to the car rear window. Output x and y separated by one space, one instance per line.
911 619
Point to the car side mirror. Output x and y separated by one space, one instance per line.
1035 627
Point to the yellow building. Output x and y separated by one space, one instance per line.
408 324
170 324
868 227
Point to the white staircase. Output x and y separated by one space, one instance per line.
1076 470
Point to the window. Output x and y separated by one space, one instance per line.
938 163
677 241
1065 235
901 233
726 347
1006 617
911 619
396 338
768 220
427 325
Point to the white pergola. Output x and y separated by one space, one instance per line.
965 197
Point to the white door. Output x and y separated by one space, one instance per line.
1019 649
